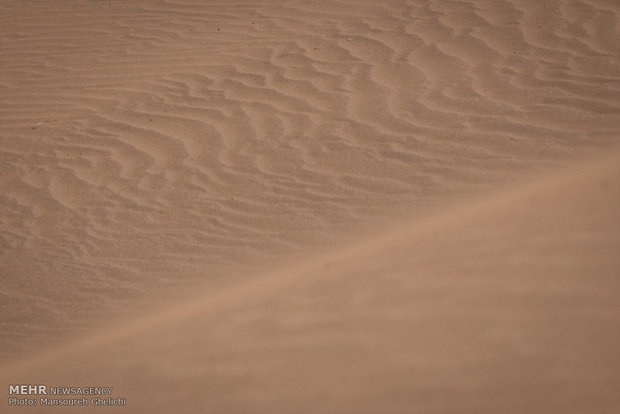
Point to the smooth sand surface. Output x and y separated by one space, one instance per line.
308 206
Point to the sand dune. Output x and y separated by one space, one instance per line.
509 304
154 147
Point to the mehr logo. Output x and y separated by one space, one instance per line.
28 389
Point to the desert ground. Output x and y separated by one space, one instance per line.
336 206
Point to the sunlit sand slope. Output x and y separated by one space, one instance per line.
508 305
147 144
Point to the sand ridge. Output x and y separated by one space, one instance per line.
153 146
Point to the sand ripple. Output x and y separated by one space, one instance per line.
150 144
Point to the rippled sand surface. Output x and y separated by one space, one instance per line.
287 206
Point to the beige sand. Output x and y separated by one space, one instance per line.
249 151
505 305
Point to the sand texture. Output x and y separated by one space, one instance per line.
312 206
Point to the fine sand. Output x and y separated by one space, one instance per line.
312 206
